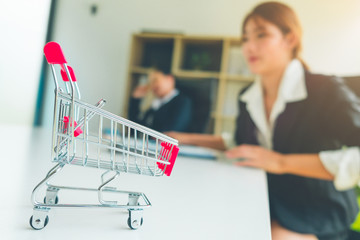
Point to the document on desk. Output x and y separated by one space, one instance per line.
190 151
206 153
184 150
198 152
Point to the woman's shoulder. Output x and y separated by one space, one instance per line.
322 79
322 85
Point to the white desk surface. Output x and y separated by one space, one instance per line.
203 199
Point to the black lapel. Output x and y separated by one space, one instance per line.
245 133
286 125
291 119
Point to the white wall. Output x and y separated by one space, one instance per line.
331 35
98 46
23 26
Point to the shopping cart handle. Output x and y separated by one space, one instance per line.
166 148
65 77
54 53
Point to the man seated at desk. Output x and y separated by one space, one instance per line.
169 111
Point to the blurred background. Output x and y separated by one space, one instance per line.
97 35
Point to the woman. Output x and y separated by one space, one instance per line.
288 119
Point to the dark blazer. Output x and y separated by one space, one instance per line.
328 119
175 115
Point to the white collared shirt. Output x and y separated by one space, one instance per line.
344 164
292 89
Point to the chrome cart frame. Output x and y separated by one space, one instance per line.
78 139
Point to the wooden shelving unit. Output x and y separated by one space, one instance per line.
204 60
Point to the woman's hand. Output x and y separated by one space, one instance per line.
183 138
258 157
199 139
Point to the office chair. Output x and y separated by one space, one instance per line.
202 92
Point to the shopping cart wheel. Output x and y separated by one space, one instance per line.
50 202
133 224
37 223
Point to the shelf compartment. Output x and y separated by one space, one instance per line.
201 55
236 61
218 59
153 53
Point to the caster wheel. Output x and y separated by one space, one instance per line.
133 224
56 200
37 221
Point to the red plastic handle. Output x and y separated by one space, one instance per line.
65 77
166 147
54 53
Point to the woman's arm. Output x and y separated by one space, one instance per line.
203 140
307 165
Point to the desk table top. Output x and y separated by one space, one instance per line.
202 199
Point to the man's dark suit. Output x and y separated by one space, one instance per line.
174 115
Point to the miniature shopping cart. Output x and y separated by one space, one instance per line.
78 139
